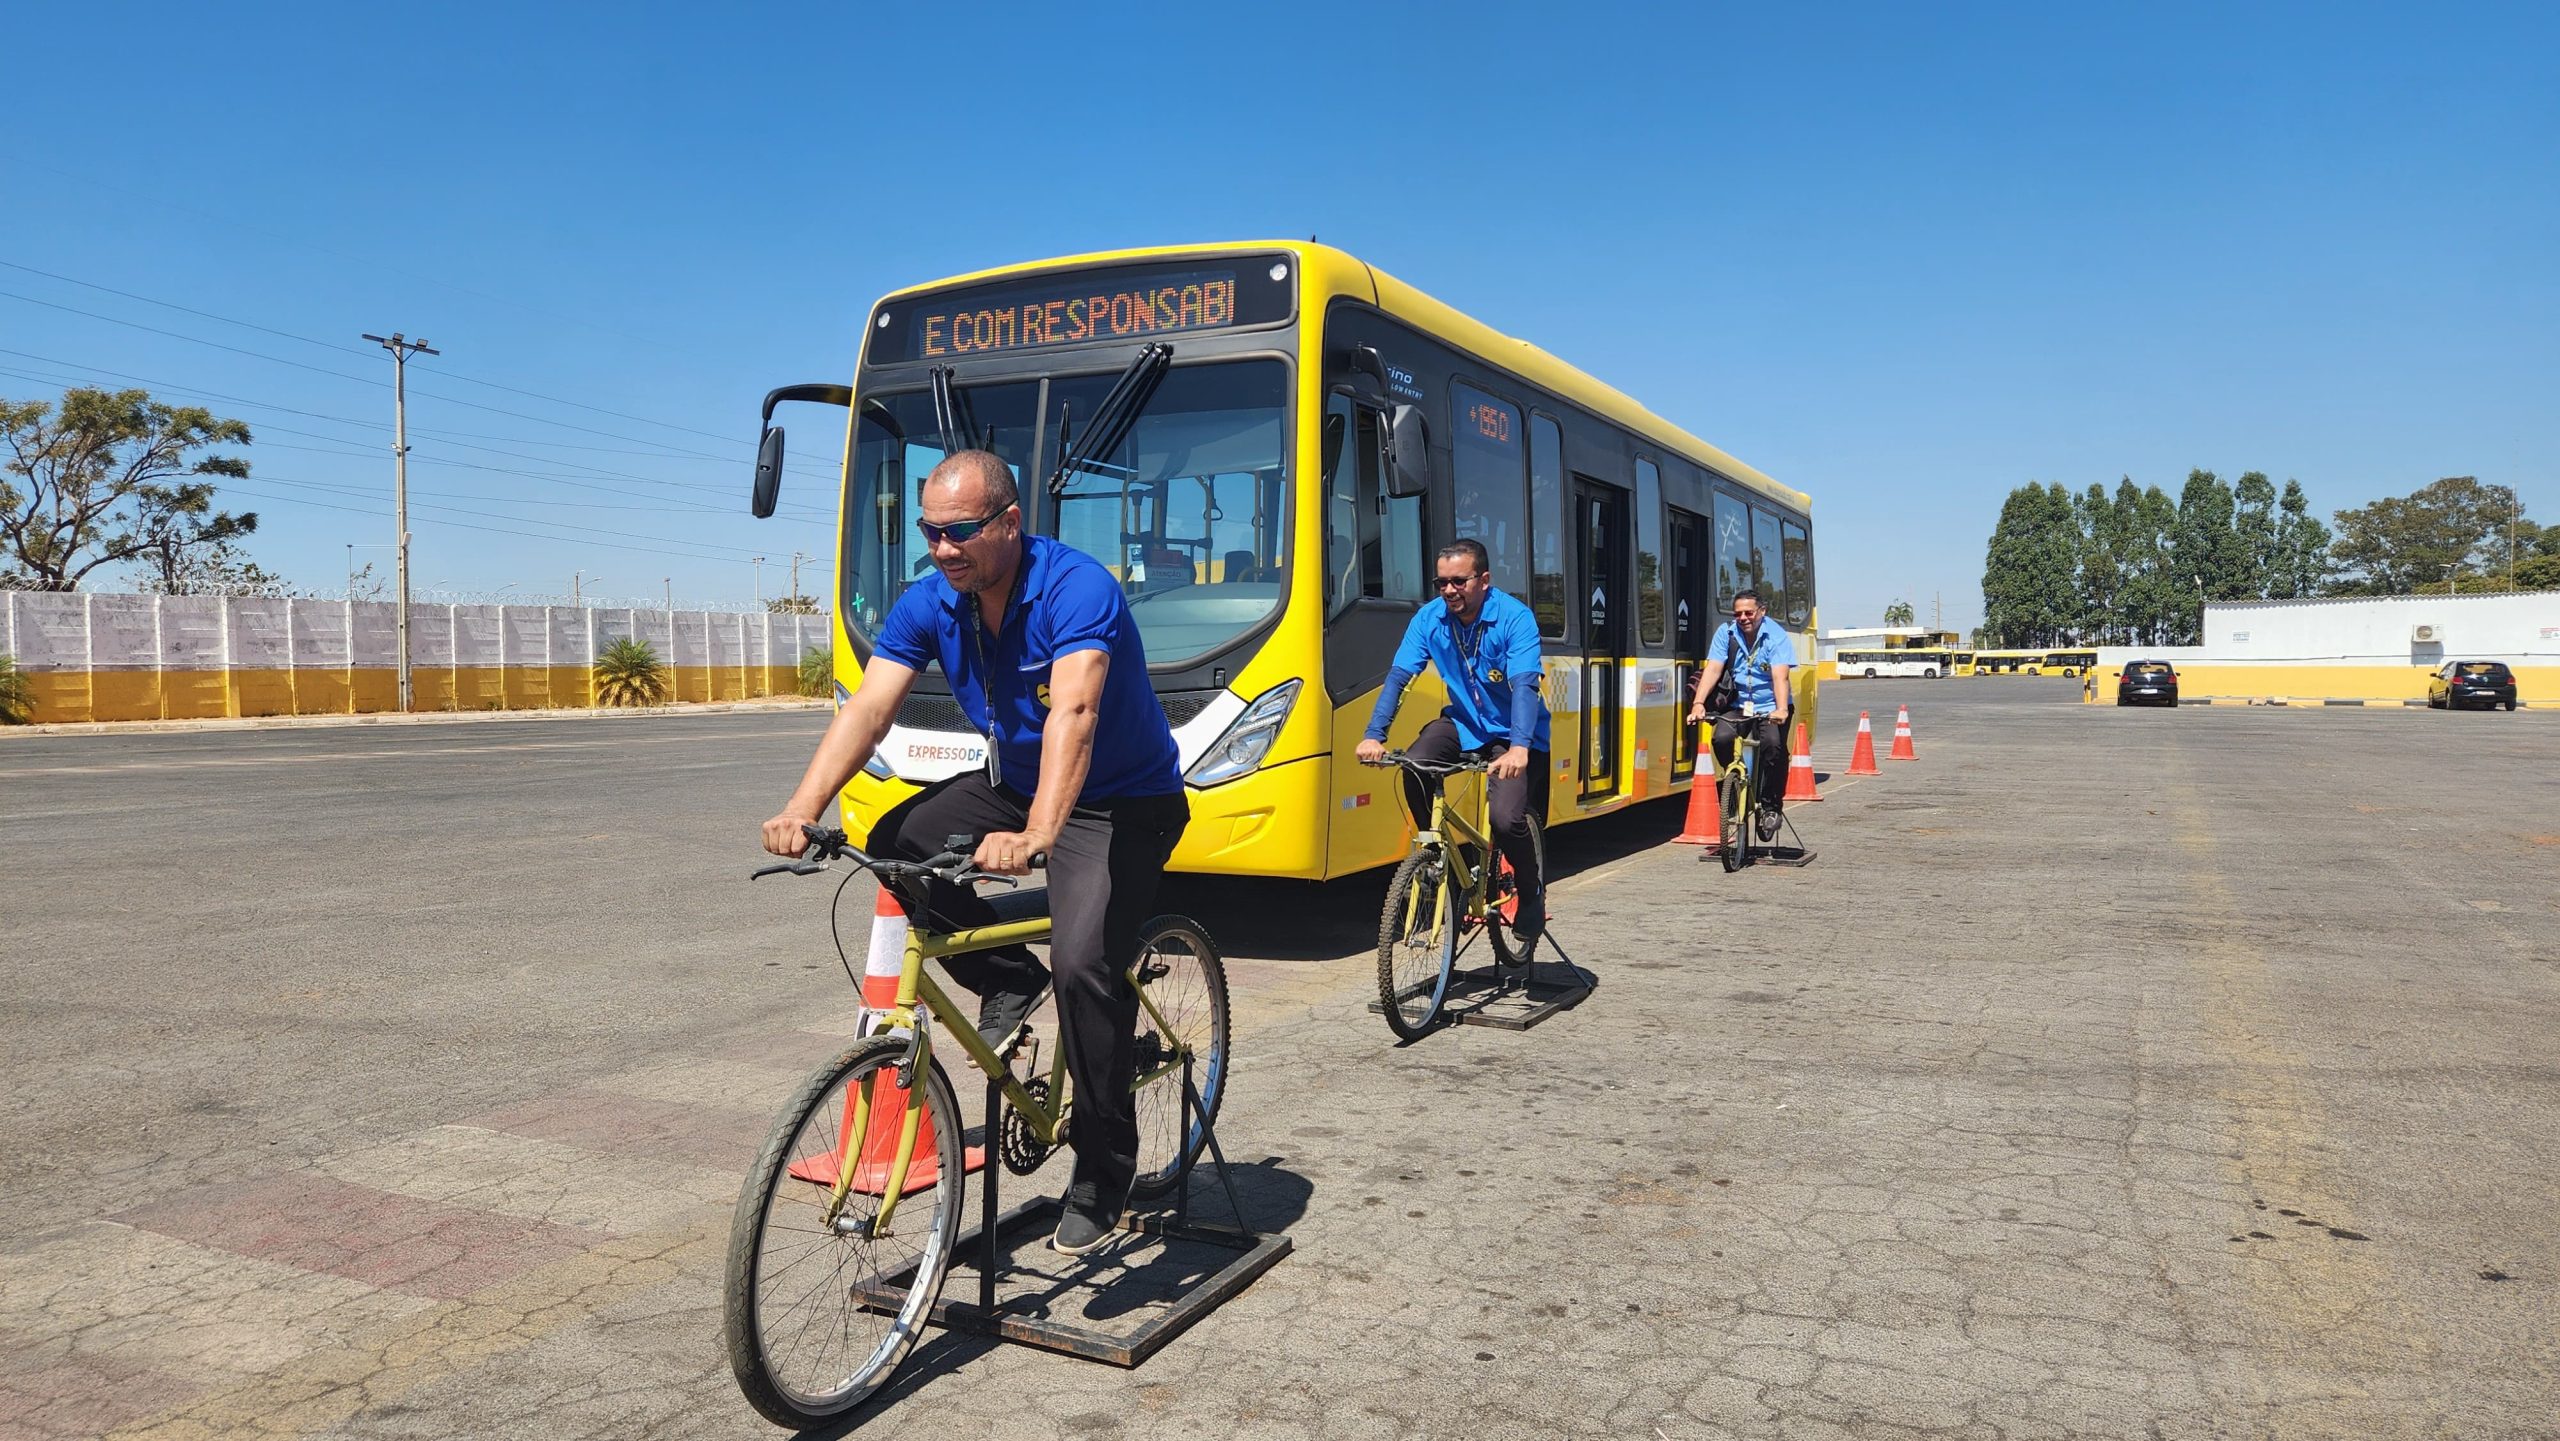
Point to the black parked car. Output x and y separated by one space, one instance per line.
2147 682
2484 683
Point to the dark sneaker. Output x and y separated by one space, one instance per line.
1088 1220
1001 1015
1529 920
1768 823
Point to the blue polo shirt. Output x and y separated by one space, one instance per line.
1752 683
1491 668
1063 602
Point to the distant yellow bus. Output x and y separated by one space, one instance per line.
2024 662
1266 443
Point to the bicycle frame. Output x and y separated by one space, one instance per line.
1474 882
1047 1119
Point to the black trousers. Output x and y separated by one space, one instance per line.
1769 766
1512 803
1103 872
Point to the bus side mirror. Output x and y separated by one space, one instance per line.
1408 452
768 473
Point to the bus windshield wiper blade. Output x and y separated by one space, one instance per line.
951 413
1111 420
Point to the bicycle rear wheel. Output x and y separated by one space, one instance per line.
1182 977
1417 944
816 1317
1733 828
1507 949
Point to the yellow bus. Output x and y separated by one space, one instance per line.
1266 442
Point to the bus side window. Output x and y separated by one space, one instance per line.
1373 543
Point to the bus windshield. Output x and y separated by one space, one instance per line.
1190 512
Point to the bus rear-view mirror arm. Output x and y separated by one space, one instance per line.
768 487
1408 452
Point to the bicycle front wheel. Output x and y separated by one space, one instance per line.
1417 944
1733 832
1183 1010
818 1312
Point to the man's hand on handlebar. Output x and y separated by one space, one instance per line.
1012 853
787 834
1371 753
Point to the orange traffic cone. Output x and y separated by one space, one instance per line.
1862 756
1700 828
1902 750
1800 768
888 1101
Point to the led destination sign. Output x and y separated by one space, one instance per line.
1129 303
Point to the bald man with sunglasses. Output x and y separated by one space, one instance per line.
1043 656
1484 643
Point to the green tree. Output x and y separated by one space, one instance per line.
793 605
2255 557
109 477
2030 572
2302 567
2152 591
1900 613
2542 572
2400 544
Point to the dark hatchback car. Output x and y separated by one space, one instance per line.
2147 682
2487 684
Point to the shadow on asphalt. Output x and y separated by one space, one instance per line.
1326 920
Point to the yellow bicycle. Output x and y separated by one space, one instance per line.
846 1225
1453 886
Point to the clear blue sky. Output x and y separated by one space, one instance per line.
1902 259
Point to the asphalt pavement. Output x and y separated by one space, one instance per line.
2110 1073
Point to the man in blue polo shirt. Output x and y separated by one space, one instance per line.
1484 644
1044 658
1763 660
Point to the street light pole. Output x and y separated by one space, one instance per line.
758 563
401 349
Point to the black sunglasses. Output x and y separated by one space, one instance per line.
1452 582
958 532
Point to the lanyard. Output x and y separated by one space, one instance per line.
986 671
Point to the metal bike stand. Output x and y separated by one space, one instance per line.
1798 854
1516 999
1255 1254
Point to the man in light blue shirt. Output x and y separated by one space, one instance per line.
1762 657
1484 644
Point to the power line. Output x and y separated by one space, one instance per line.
366 380
348 349
372 426
249 489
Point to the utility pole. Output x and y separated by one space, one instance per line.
758 563
671 599
574 577
2514 511
401 349
795 577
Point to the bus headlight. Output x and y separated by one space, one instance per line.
1246 742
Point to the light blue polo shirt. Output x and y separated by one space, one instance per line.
1752 683
1063 602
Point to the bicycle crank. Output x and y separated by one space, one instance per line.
1017 1145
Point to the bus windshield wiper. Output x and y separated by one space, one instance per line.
1112 419
951 414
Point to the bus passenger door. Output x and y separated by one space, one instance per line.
1600 540
1693 619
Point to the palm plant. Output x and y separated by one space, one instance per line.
817 670
629 674
17 693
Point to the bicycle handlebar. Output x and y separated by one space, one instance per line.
956 863
1419 766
